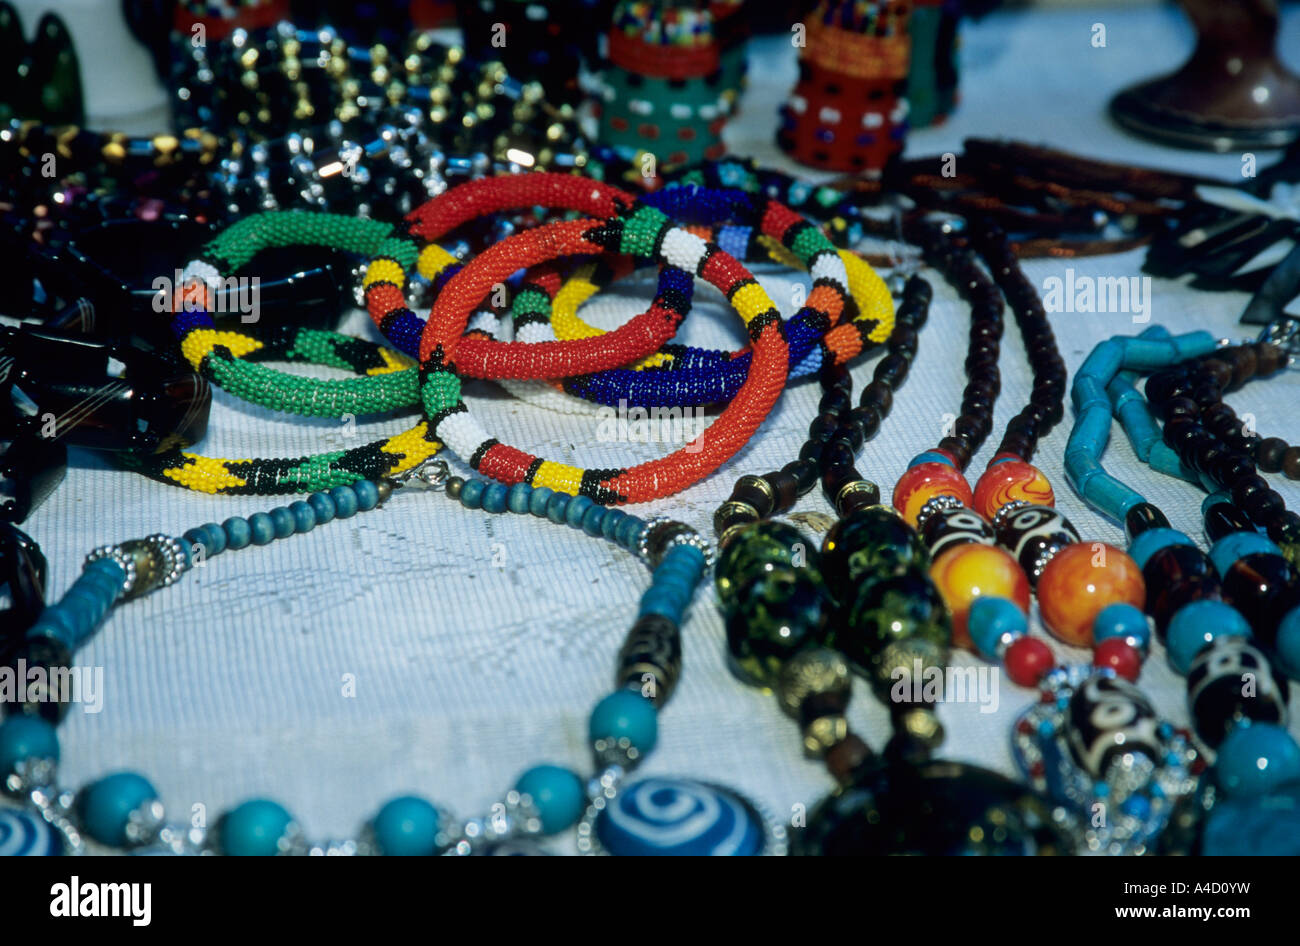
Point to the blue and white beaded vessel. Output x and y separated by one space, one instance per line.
1095 745
674 817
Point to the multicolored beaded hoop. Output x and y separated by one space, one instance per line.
642 231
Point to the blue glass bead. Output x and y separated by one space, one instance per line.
345 501
577 508
1237 545
471 494
593 520
322 506
1288 644
665 817
494 497
238 534
1256 758
989 619
282 520
610 524
520 498
367 495
304 517
254 829
26 737
1265 825
1213 500
261 530
929 456
558 794
1124 621
557 508
1153 540
106 806
625 713
1196 624
538 501
407 827
27 834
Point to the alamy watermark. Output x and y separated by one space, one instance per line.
932 684
38 684
1127 294
233 295
652 425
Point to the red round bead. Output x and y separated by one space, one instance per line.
1119 655
1028 660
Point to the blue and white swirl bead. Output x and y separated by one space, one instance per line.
679 817
24 834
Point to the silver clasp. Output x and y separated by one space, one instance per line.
428 474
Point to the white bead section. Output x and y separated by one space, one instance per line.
830 266
684 250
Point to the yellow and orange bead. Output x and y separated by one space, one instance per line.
923 482
967 572
1011 481
1079 582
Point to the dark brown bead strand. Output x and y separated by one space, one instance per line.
1046 404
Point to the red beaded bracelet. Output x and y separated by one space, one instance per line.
643 232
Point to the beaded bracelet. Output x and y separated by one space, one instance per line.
123 811
641 231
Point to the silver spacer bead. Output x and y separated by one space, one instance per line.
1000 517
687 536
935 505
117 554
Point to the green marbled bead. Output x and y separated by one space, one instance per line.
753 550
782 612
892 610
871 543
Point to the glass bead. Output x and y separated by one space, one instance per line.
1028 660
558 794
1256 759
106 806
1142 548
27 834
1012 481
1079 582
870 543
1120 656
1263 587
1110 721
665 817
1142 518
1217 695
1288 644
967 572
780 612
923 482
1175 576
754 549
950 527
1230 548
1123 622
406 827
992 618
1264 825
625 714
1034 534
257 828
892 610
1195 625
24 738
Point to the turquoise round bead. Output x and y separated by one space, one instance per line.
304 517
519 498
1124 621
929 456
471 494
538 501
1153 540
214 539
495 498
261 530
576 509
1237 545
345 501
238 534
557 507
367 495
407 827
23 738
558 794
1288 644
322 506
610 524
1196 624
282 519
106 806
992 617
1255 759
625 714
593 519
254 829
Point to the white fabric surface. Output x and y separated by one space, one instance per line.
479 643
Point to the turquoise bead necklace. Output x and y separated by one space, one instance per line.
613 816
